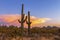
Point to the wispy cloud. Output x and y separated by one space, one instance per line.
12 19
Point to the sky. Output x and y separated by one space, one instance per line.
47 10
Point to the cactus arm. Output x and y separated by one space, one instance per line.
28 22
19 21
25 19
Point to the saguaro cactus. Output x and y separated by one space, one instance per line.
23 19
28 22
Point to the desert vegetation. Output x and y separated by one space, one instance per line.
14 32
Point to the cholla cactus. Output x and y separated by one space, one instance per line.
23 19
28 22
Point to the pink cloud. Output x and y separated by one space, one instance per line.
12 19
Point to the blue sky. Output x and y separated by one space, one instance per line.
38 8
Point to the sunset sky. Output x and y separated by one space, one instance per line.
43 12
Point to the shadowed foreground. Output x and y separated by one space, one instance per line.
31 38
44 33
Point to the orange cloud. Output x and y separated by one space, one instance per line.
36 20
9 18
13 19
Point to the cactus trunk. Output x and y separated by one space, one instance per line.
23 19
29 23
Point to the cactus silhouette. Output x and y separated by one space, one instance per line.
23 19
28 22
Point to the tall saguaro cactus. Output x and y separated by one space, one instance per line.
23 19
28 22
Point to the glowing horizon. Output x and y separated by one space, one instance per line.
12 19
